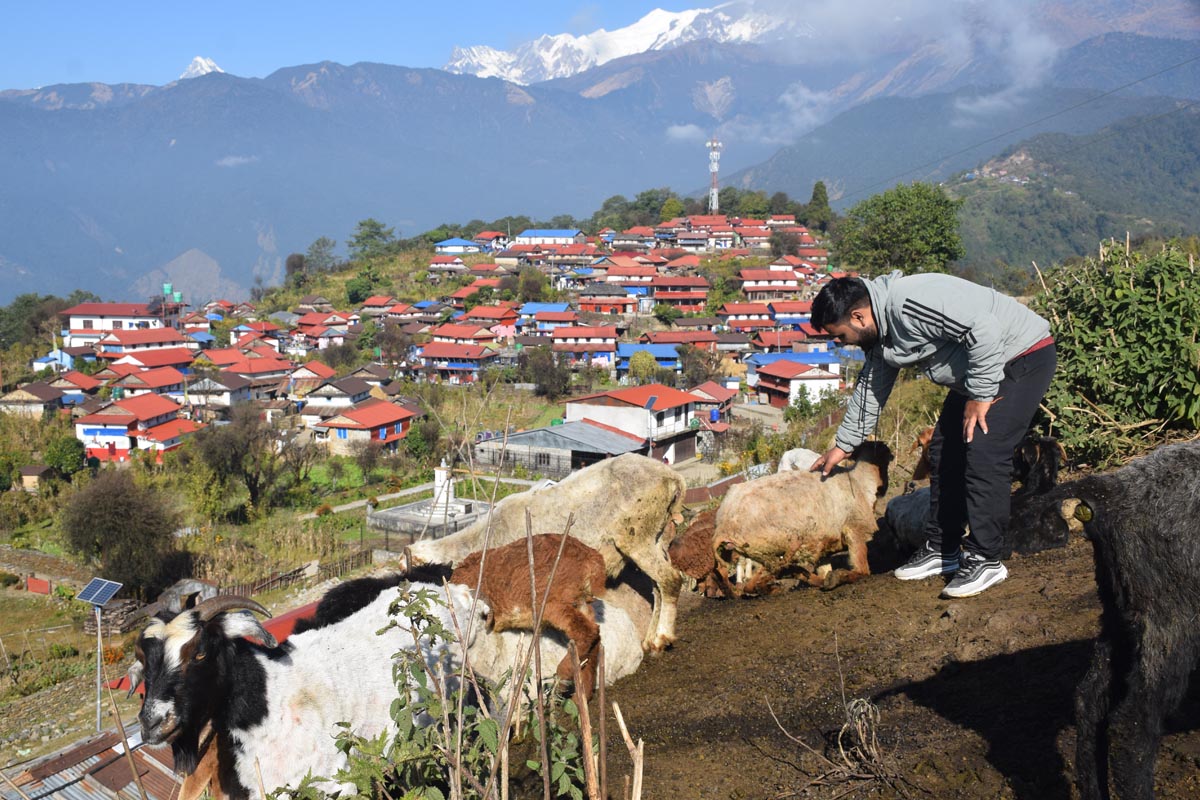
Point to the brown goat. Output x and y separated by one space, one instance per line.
794 519
579 578
692 554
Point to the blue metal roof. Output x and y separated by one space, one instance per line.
815 359
201 336
659 351
529 309
456 242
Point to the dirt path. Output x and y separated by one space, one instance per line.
975 696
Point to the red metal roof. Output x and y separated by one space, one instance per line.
161 357
369 415
582 332
664 396
152 378
170 430
452 350
785 369
143 336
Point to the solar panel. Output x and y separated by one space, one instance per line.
99 591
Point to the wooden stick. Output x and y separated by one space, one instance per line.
585 728
635 752
16 788
600 705
120 725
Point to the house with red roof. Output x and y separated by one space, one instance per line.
491 241
546 322
306 377
585 345
638 239
86 323
781 382
465 333
781 220
148 422
166 381
180 358
814 253
688 293
777 340
376 305
711 396
769 284
571 255
75 386
451 363
607 298
500 320
659 415
371 422
115 344
745 316
705 340
452 265
629 274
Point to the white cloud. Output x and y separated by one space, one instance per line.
686 133
236 161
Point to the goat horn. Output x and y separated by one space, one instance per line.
215 605
135 677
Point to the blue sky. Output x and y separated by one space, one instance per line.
43 42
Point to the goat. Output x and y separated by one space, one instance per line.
502 580
796 518
904 521
1141 521
692 554
276 707
1035 464
800 458
626 507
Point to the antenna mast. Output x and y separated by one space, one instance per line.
714 160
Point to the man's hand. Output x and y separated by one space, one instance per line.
974 414
825 464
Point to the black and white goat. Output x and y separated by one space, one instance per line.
275 708
1141 521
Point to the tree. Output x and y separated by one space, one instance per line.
531 286
244 450
818 214
696 365
912 228
127 529
358 288
371 238
753 204
320 256
783 243
643 367
672 208
666 314
550 376
66 454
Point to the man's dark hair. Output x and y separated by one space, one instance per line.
835 302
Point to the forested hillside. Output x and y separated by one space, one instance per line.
1055 196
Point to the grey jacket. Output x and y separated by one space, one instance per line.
958 333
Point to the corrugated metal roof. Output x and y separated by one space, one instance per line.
96 769
576 436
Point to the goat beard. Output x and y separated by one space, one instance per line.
185 750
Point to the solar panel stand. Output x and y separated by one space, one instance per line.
98 592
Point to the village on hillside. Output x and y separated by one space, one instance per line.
138 378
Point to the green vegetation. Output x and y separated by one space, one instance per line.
1128 360
911 228
1052 197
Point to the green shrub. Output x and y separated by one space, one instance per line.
1128 377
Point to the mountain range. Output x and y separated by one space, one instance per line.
210 181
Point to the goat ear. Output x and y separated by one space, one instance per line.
135 677
238 624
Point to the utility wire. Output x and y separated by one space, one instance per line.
969 148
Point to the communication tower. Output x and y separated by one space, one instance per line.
714 162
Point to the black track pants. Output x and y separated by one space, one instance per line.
971 484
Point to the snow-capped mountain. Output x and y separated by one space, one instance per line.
200 66
564 55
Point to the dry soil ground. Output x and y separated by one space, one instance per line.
975 696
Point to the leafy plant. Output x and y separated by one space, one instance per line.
1128 374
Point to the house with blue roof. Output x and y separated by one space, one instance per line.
666 355
456 247
550 236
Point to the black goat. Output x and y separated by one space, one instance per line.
1141 521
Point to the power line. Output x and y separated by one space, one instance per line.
896 177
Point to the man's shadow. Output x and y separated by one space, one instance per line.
1020 703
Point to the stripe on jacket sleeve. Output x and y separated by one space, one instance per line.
938 319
